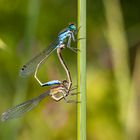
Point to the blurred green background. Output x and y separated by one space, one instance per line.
113 63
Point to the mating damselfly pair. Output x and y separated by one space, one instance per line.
64 87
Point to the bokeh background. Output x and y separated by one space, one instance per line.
113 64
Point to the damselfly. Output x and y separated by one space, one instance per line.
27 106
33 65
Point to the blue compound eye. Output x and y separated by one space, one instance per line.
72 27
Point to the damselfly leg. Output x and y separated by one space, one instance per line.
63 90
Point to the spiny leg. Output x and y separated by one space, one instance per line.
63 90
72 34
59 90
69 42
63 97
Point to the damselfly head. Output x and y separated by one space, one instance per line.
72 27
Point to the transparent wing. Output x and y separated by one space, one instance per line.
22 108
30 67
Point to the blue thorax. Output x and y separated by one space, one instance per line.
63 35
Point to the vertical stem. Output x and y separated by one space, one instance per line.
81 107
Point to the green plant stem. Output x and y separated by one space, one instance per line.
81 107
